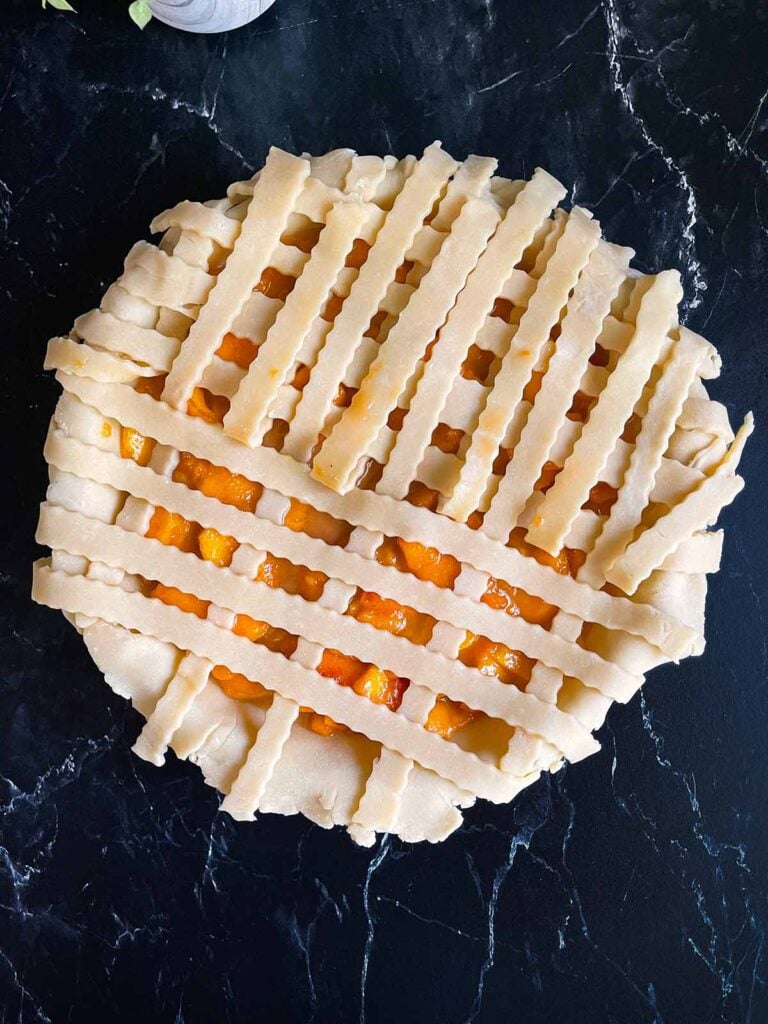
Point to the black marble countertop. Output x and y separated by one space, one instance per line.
629 888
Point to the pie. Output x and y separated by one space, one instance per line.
375 483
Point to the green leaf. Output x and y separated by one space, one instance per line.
140 12
60 5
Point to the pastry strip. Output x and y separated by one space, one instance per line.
72 357
397 357
141 344
165 280
387 581
278 352
248 788
606 420
657 426
153 618
694 512
533 204
201 218
411 206
274 197
580 237
170 711
587 309
378 512
73 532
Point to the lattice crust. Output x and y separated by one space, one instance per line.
433 361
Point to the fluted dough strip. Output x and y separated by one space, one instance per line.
73 357
165 280
141 344
532 205
606 421
378 512
304 304
697 510
388 582
587 309
154 560
657 425
200 218
410 208
248 788
398 354
95 599
274 197
573 249
172 708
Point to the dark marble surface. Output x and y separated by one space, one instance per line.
630 888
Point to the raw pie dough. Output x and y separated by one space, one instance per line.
505 527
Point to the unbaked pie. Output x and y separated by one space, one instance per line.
377 482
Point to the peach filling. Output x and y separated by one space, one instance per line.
426 563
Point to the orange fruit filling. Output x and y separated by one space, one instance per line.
206 406
513 601
236 685
281 574
134 445
305 519
217 482
216 547
172 529
305 238
237 350
478 363
447 439
278 640
358 255
185 602
448 716
426 563
497 660
580 407
275 285
332 307
391 616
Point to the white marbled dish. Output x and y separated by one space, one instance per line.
208 15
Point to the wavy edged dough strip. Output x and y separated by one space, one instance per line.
378 512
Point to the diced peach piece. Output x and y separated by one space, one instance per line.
358 255
151 385
295 579
275 285
305 519
237 686
514 601
342 667
323 725
134 445
217 482
206 406
237 350
174 530
429 564
495 659
448 716
391 616
275 639
253 629
381 687
216 547
186 602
